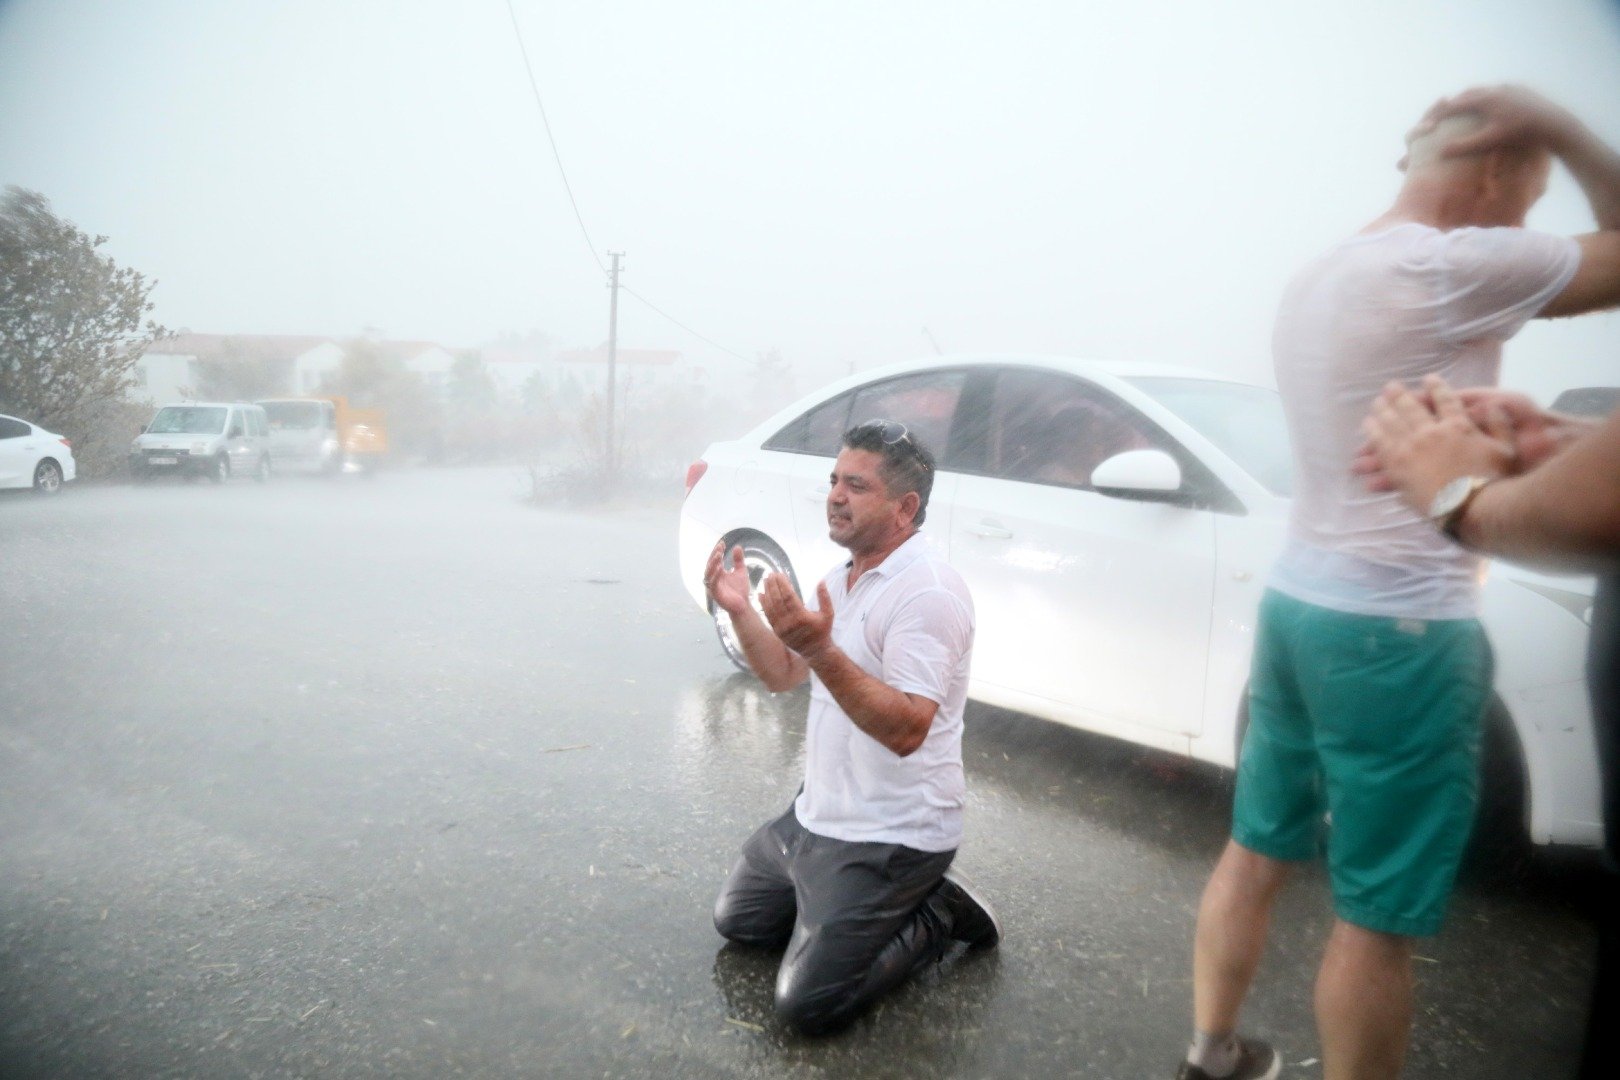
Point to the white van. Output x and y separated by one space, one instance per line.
304 434
216 439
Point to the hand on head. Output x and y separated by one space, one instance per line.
1513 116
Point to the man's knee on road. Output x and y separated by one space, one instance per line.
745 927
810 1009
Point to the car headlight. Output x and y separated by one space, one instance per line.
1578 604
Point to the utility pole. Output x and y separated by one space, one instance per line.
613 363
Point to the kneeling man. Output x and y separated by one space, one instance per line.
852 878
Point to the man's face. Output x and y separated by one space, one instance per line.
861 514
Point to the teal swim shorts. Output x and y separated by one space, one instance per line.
1363 742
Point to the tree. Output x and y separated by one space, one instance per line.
368 379
72 321
238 374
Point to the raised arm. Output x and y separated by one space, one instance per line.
1516 117
898 720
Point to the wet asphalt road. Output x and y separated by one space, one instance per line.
408 778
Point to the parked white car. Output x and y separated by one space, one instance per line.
31 457
1116 524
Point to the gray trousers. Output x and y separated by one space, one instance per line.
857 918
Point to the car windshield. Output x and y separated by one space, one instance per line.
188 420
293 415
1245 422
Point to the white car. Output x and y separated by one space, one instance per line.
31 457
1116 524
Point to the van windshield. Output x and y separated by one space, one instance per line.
188 420
293 415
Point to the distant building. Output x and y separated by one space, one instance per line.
168 370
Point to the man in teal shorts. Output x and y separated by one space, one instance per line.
1371 674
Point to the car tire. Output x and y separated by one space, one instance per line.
1501 836
763 558
47 477
219 470
261 474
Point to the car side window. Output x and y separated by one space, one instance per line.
256 423
817 431
1053 429
924 402
13 429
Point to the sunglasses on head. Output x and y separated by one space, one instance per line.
892 432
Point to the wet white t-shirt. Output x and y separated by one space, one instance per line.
1393 305
909 622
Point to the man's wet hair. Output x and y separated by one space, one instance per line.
906 464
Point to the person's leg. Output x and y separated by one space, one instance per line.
1398 734
1364 1003
864 925
1232 921
756 905
1276 822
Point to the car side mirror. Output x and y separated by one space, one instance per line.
236 433
1137 473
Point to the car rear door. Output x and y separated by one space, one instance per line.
16 457
1091 608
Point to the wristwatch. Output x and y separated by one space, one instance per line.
1451 502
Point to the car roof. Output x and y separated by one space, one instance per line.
209 405
1122 369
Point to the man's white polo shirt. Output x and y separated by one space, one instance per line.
908 622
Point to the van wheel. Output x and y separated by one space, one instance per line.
262 473
762 558
220 470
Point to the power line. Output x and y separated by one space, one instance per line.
517 33
682 325
534 85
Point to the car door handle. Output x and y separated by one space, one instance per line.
990 530
818 495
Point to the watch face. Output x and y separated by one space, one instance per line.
1450 497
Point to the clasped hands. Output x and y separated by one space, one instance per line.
1418 440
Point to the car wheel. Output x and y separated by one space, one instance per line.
1501 837
762 558
220 470
47 477
262 473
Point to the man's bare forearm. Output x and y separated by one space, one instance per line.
1565 514
777 666
890 716
1596 168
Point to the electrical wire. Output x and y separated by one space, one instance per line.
534 85
682 325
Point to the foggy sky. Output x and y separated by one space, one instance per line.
1133 181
